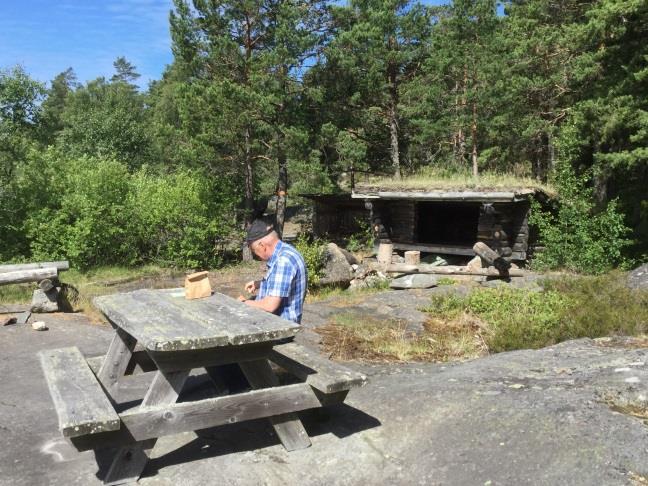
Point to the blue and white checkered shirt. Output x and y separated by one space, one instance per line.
286 278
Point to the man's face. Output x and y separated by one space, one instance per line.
260 249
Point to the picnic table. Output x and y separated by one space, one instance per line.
173 336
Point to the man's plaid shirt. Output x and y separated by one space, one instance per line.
286 278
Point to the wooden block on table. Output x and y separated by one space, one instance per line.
197 285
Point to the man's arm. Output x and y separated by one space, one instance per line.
269 303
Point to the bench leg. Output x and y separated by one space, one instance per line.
116 360
288 427
131 460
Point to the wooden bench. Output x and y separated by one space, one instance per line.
80 402
330 381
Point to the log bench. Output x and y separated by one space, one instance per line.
175 336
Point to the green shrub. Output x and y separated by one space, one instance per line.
577 236
314 253
94 212
88 219
570 308
361 240
178 218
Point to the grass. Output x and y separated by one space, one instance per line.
495 320
350 336
444 179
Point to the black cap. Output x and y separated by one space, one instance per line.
257 230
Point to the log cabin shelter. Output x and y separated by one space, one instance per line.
439 221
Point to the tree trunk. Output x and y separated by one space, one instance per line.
475 167
601 178
282 184
393 120
249 191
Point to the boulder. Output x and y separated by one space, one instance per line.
350 257
337 270
415 281
638 278
45 301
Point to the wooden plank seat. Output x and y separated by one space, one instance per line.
332 381
80 402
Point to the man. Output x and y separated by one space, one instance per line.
283 289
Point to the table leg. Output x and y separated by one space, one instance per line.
116 360
288 427
131 460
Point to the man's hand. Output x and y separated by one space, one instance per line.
241 298
252 286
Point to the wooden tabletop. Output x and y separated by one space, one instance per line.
163 320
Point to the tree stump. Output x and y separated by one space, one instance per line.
412 257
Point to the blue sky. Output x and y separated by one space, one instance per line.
48 36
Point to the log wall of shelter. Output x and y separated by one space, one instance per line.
505 228
402 217
339 219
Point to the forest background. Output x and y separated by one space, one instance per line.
284 97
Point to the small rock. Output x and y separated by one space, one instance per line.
638 278
416 281
355 266
45 301
434 260
516 386
397 259
39 326
6 320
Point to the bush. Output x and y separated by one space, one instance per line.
88 219
94 212
178 218
577 236
314 253
567 309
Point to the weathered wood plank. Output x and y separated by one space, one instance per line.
198 358
187 416
139 359
288 427
317 371
441 249
81 404
153 317
23 276
446 270
151 422
444 195
131 459
116 359
60 266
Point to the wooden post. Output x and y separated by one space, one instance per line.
412 257
385 251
